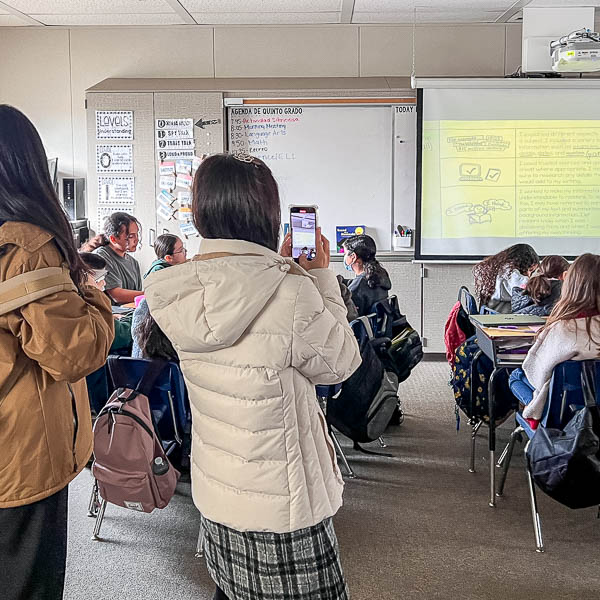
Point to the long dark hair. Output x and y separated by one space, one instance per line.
26 190
520 257
114 225
165 244
539 287
364 247
152 341
236 197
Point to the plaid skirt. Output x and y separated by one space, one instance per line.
300 565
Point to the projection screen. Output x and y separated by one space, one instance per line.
501 166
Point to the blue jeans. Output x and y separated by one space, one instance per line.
520 387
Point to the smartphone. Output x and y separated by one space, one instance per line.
303 225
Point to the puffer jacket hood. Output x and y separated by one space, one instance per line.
220 297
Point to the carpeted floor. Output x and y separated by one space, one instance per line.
415 526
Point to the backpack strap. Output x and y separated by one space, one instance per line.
33 285
20 290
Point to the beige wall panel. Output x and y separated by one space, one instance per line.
143 161
34 77
99 53
514 39
441 51
286 52
440 291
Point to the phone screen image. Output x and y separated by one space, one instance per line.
304 225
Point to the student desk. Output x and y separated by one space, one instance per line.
494 334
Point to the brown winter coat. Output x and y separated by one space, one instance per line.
45 423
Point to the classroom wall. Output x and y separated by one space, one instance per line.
45 71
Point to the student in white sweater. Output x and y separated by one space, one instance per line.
496 276
572 332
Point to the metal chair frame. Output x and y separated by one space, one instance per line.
97 504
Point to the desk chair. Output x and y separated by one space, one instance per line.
169 406
565 398
324 392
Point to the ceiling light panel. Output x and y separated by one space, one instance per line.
261 6
438 5
92 20
89 7
430 16
562 3
266 18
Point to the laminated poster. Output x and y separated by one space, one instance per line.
114 124
119 190
114 158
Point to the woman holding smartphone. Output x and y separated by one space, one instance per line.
255 333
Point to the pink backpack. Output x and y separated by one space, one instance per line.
130 465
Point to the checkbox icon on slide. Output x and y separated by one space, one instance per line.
493 174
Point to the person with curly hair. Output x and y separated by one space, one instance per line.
496 276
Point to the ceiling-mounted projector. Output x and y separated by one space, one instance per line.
578 52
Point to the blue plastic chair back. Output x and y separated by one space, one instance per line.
565 395
467 300
169 387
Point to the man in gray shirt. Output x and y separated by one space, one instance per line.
123 277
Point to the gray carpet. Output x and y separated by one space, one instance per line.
415 526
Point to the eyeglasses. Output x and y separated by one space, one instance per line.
182 251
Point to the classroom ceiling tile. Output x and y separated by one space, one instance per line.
427 16
119 19
261 6
266 18
11 21
87 7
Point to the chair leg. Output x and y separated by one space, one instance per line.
199 544
341 454
99 519
537 526
94 501
474 429
506 457
382 442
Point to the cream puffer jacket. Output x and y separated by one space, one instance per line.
255 333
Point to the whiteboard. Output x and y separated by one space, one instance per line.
338 157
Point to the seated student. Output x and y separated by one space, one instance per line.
372 282
542 291
572 332
97 382
120 237
496 276
169 251
96 266
146 334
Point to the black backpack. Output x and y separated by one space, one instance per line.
470 377
368 398
565 463
399 346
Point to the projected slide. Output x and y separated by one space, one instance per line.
511 179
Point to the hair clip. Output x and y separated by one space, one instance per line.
244 157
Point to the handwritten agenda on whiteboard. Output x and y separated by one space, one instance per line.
338 157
